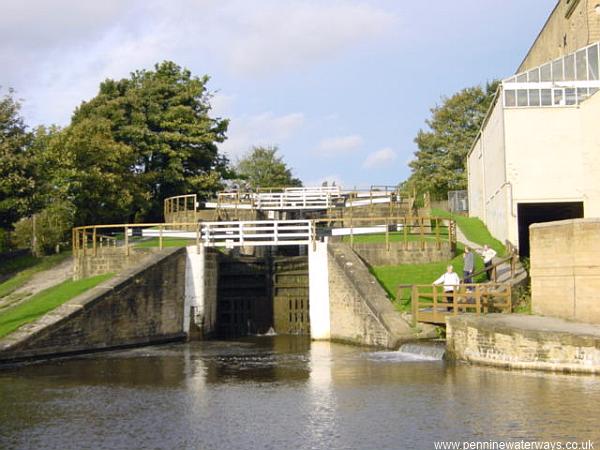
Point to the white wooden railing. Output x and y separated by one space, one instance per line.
320 197
301 198
293 200
256 233
335 191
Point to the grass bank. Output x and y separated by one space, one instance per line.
21 269
473 229
392 276
167 242
45 301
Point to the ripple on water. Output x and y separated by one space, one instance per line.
284 392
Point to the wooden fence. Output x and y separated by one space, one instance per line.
431 304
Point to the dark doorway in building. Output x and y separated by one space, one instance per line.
530 213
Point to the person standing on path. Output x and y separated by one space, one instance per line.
488 254
468 265
451 283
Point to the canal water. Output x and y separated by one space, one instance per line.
284 392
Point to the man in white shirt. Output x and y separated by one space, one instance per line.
450 282
488 254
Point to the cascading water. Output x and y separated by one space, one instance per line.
431 350
413 351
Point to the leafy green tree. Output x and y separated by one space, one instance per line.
94 173
17 182
30 184
261 167
440 161
142 139
46 230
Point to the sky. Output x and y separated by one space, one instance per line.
340 86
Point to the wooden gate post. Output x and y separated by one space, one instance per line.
414 299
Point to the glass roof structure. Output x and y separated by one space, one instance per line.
566 81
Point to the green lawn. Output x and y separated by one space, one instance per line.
473 229
391 276
24 268
167 242
394 236
45 301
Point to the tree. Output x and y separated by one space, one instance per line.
17 182
52 227
94 173
261 167
440 161
143 139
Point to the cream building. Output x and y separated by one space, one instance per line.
537 156
572 25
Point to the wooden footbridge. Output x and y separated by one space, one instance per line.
430 304
302 199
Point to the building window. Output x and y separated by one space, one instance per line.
546 97
593 63
570 67
510 98
566 81
534 97
557 70
522 97
581 64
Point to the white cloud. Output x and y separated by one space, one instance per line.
293 33
222 104
261 129
379 158
339 145
59 85
56 53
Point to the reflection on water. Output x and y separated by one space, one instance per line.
284 392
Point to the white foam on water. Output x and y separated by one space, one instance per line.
427 351
398 356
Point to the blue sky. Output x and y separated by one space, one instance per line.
341 86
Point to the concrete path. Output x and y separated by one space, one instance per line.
40 281
503 271
543 324
460 237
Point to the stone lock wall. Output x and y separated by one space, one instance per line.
565 269
378 254
524 342
109 259
360 311
141 305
